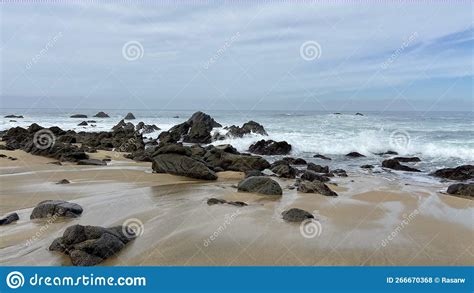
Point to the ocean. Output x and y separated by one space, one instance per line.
440 139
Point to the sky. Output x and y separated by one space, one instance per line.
245 55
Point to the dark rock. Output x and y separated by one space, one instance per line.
90 245
387 153
339 172
367 166
12 158
83 123
463 172
93 162
359 114
182 165
321 157
395 165
313 176
407 159
78 116
315 187
91 121
227 148
213 201
145 128
461 189
294 161
260 184
56 163
129 116
176 116
247 128
318 168
284 170
14 116
57 208
102 115
270 147
232 162
8 219
354 155
2 156
196 129
296 215
63 181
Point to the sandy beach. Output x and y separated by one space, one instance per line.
373 221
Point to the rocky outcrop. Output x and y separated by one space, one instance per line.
395 165
270 147
296 215
56 208
261 185
354 155
461 189
247 128
129 116
463 172
8 219
102 115
90 245
315 187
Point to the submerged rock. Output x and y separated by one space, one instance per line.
8 219
57 208
395 165
213 201
319 156
367 166
90 245
461 189
260 184
407 159
270 147
354 155
315 187
296 215
63 181
463 172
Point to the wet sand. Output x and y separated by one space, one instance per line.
374 221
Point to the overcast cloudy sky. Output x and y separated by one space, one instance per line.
313 56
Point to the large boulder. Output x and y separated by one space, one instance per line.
310 175
8 219
284 170
228 160
90 245
463 172
247 128
461 189
296 215
56 208
182 165
315 187
260 184
270 147
395 165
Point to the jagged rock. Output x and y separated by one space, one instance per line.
129 116
90 245
261 185
83 123
8 219
315 187
182 165
58 208
145 128
355 155
102 115
463 172
310 175
318 168
461 189
395 165
296 215
270 147
407 159
78 116
92 162
63 181
321 157
247 128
